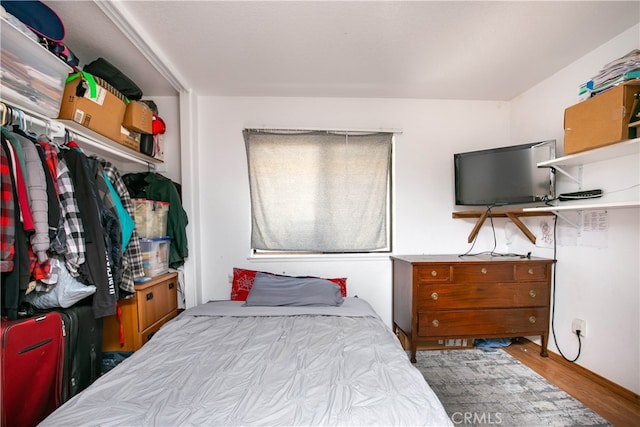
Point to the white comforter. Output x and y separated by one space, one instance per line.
221 364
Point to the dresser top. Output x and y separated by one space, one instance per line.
425 258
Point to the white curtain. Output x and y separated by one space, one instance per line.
319 191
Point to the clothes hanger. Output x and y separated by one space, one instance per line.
3 106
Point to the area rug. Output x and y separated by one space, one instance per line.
493 388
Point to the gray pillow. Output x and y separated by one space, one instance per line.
273 290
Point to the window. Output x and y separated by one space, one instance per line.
318 191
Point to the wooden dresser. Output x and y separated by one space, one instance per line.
447 296
154 303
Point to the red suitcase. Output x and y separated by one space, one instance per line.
32 364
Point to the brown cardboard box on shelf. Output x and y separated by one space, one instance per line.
137 117
600 120
130 139
102 113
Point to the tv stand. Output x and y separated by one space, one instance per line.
513 215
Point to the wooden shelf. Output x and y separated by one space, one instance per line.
513 215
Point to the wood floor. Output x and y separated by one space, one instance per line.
617 405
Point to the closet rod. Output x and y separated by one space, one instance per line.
28 118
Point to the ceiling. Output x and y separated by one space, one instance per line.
477 50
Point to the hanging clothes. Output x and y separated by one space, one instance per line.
7 214
70 240
51 158
53 210
108 217
97 268
15 280
18 166
132 267
38 199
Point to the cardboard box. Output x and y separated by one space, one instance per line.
128 139
137 117
436 344
600 120
102 113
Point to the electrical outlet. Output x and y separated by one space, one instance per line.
581 325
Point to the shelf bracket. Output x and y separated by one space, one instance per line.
566 219
568 175
512 215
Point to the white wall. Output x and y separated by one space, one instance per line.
431 132
599 285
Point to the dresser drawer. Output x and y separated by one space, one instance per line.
482 295
146 335
433 273
155 302
483 323
537 272
476 273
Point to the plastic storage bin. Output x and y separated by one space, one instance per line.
150 217
32 77
155 255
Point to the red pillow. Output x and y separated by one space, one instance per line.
243 281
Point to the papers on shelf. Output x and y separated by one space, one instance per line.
618 71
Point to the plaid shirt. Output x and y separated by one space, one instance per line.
39 270
51 156
7 217
132 258
73 229
13 148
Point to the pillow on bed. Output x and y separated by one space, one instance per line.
243 281
274 290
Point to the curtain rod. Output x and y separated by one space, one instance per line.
284 129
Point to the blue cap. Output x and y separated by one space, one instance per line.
38 17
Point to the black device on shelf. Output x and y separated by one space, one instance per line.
580 195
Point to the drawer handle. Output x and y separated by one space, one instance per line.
532 293
435 323
434 273
530 271
434 296
171 285
483 271
149 296
532 319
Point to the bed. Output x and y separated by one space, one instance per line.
224 363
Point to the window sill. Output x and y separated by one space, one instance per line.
319 257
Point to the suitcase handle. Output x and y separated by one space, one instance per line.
149 296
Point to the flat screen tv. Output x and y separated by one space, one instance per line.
504 175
